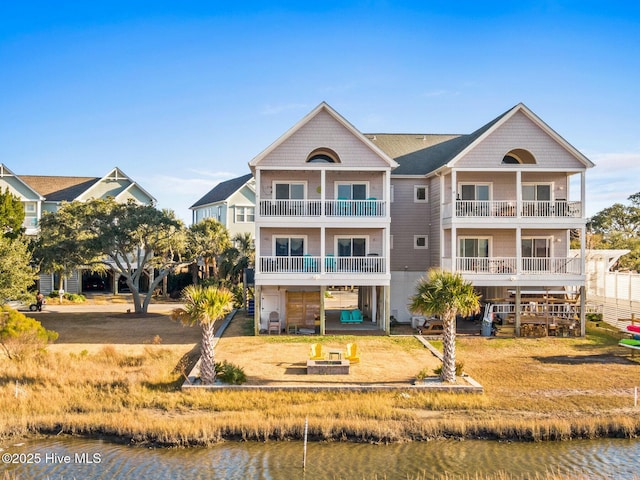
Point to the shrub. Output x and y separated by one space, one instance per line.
22 336
230 373
459 367
422 374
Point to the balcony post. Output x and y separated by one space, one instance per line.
518 193
518 250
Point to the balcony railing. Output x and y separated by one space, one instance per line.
528 265
315 264
30 222
316 208
511 208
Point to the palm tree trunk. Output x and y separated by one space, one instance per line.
448 348
207 361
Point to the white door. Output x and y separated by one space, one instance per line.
270 303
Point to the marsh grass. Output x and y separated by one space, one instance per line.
535 389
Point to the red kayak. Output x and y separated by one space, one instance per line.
634 328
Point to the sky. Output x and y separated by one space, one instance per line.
182 95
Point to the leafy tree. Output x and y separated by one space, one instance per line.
130 239
208 239
11 215
16 273
21 335
618 227
204 306
237 258
447 295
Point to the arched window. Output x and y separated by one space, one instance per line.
323 155
519 156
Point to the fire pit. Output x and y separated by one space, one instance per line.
327 367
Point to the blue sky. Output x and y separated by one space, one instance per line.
182 95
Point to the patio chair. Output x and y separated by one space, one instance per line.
356 316
315 352
274 322
352 353
345 316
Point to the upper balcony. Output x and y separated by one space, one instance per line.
370 208
508 210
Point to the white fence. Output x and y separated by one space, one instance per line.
617 294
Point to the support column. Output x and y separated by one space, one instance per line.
323 323
384 318
257 302
583 313
517 319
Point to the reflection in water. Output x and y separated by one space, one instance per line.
69 458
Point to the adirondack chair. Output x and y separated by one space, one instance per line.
352 353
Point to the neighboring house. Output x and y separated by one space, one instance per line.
232 203
340 208
322 220
40 194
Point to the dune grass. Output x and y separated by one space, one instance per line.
535 389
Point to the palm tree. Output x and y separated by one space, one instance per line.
203 306
445 294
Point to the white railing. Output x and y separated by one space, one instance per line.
511 208
315 264
290 208
487 265
528 265
355 208
557 309
314 208
562 265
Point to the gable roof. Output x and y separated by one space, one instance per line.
222 191
53 188
437 151
323 106
58 189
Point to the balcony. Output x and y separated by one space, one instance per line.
512 208
329 208
525 266
317 264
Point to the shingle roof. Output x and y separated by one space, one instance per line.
58 189
222 191
420 154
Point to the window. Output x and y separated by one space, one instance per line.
290 191
352 191
289 246
420 193
475 191
352 247
540 193
30 207
245 214
420 241
536 247
473 247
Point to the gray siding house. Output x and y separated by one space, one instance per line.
338 207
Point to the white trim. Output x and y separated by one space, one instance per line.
304 183
426 242
475 184
367 243
415 193
290 236
337 183
489 239
340 119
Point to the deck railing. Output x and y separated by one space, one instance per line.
316 208
511 208
315 264
528 265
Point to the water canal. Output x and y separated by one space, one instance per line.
66 458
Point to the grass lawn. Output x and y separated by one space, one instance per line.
115 375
